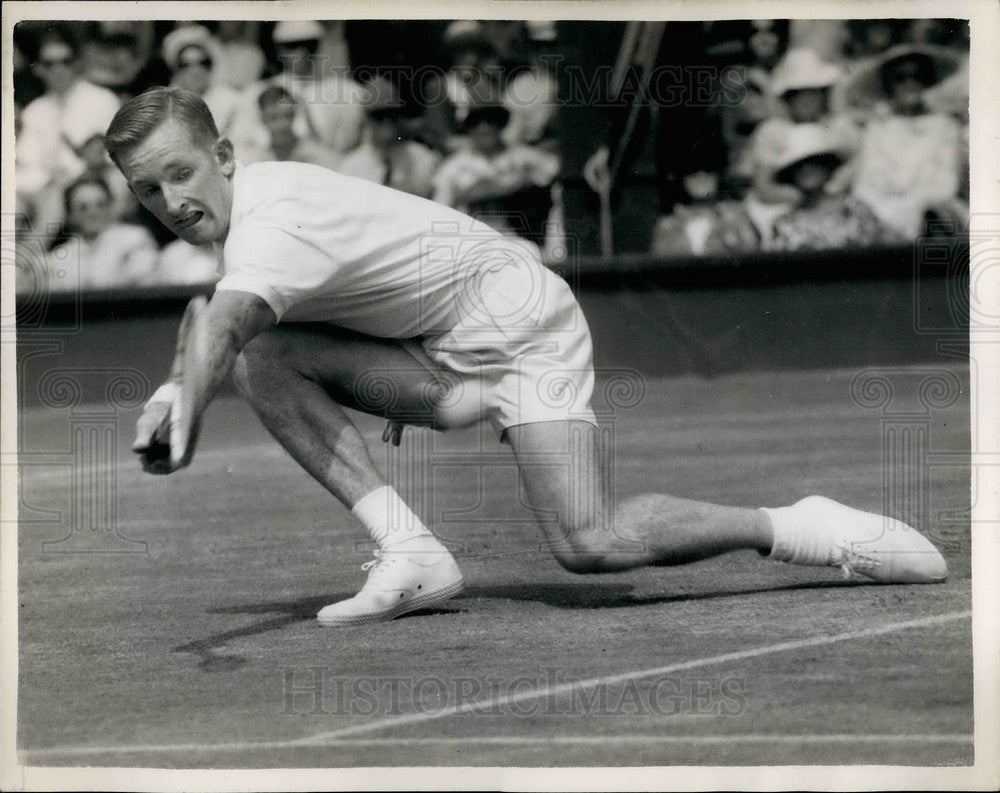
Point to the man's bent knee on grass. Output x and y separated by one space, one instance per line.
328 280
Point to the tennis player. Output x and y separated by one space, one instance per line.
337 292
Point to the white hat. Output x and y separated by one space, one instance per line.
866 87
187 36
805 141
297 30
803 68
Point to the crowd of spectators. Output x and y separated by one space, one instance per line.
817 134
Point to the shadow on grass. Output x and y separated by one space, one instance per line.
291 612
564 596
612 596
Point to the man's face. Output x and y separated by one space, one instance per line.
806 105
89 210
194 69
56 66
298 57
278 118
187 186
906 88
811 175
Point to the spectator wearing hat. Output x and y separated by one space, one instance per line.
101 253
278 109
385 156
820 219
474 76
55 127
912 161
191 54
329 102
508 188
802 82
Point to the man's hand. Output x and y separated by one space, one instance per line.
152 431
393 432
597 172
210 338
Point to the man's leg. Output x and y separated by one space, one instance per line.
563 475
297 379
562 471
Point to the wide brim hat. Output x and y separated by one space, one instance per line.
187 36
802 69
866 87
804 142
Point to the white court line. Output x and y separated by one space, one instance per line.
538 740
336 737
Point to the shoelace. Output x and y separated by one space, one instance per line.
372 562
378 566
854 561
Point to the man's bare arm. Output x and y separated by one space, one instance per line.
227 324
231 319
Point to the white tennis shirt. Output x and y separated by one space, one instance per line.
319 246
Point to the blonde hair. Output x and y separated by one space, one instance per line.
137 118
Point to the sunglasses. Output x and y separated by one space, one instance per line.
49 63
204 63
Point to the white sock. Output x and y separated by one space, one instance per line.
799 536
782 522
388 520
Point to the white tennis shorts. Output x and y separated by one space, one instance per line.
521 352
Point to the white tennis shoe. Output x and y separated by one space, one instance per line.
414 574
819 531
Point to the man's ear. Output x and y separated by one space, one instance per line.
224 155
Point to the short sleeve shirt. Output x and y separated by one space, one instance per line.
319 246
